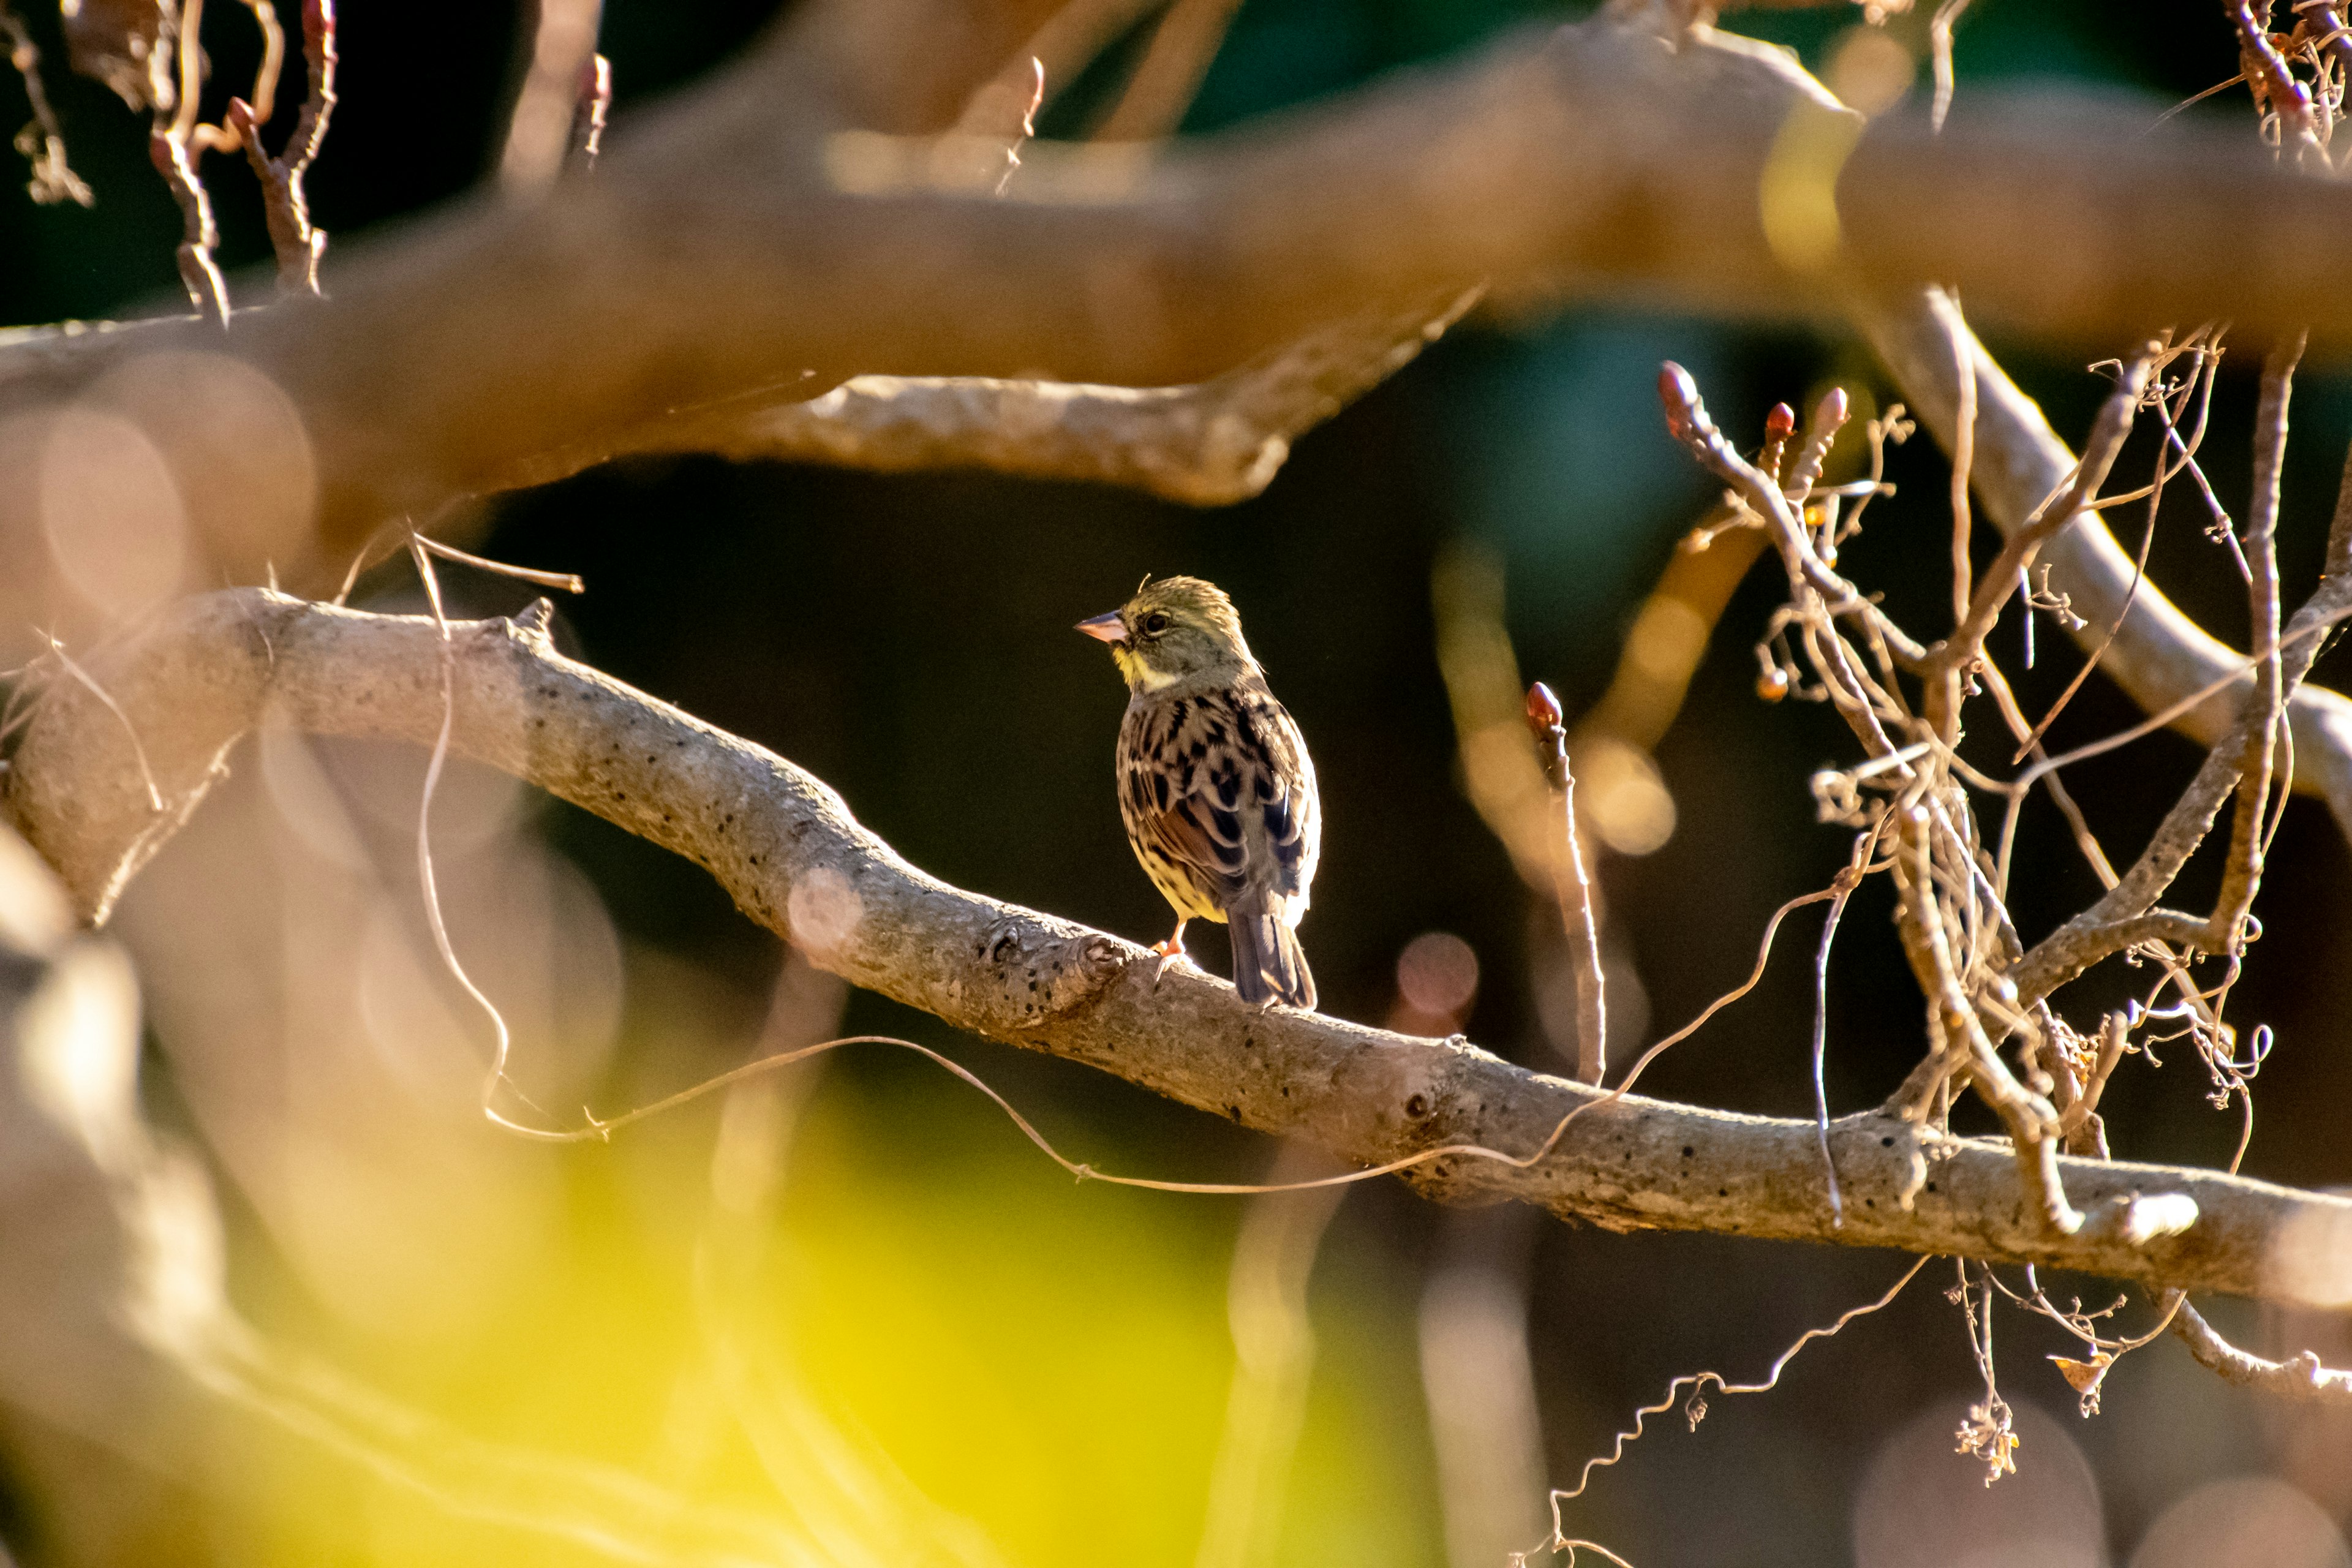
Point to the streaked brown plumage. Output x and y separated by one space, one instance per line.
1214 783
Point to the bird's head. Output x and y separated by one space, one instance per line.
1177 629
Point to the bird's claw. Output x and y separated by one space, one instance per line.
1171 952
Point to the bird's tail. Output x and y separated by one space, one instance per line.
1268 963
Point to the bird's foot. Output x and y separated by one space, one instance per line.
1171 952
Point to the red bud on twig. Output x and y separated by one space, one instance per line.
1679 395
1543 711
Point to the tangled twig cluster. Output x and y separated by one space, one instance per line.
1912 800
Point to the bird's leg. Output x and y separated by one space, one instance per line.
1171 952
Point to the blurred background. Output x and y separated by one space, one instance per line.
852 1291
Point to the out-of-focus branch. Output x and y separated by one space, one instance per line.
125 1372
734 242
42 142
1480 1382
1212 444
787 849
539 135
1166 83
2158 654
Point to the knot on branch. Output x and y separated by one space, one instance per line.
1036 975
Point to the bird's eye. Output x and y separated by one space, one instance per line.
1154 623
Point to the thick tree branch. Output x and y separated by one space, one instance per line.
787 849
738 240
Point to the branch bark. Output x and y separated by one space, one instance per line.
789 852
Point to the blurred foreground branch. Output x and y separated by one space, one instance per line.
129 1384
1212 444
786 849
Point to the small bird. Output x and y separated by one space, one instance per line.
1214 781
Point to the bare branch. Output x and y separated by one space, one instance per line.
787 849
2158 654
1212 444
2300 1376
1573 888
175 159
539 135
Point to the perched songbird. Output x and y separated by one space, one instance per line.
1213 782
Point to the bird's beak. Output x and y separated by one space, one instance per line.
1109 628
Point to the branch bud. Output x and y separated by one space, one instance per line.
1543 711
1686 414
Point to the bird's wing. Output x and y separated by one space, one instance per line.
1223 782
1282 787
1184 797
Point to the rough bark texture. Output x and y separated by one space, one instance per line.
786 847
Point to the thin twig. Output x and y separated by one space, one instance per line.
2208 369
1847 880
589 114
42 142
1939 53
207 291
1574 889
2301 1377
1698 1383
1964 443
284 205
